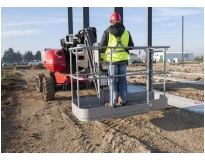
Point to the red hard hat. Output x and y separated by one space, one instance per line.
115 17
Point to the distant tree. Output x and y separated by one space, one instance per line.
19 56
199 59
28 56
10 55
38 55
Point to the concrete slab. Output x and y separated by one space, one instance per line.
187 73
177 101
186 103
180 80
175 79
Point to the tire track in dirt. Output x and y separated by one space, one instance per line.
116 132
148 135
82 129
120 141
88 134
44 126
51 113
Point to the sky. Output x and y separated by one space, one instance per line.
35 28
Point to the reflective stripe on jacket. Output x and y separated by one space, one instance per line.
118 54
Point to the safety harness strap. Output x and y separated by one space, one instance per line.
120 43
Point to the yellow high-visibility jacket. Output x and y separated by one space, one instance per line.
118 54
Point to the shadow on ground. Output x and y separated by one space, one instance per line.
179 119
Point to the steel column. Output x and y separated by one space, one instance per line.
86 17
120 11
182 40
149 53
70 20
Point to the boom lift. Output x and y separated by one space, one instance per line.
79 64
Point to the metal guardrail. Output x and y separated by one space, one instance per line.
148 72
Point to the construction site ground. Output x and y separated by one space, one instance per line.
31 125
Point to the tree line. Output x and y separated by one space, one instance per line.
10 55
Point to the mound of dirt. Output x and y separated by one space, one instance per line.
38 67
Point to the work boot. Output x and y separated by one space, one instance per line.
124 104
110 105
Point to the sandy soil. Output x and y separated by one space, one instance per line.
30 125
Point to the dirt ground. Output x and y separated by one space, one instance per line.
31 125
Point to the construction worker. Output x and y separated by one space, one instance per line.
116 35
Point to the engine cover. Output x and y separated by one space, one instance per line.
55 60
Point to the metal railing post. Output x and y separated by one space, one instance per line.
71 73
147 86
165 59
111 78
78 95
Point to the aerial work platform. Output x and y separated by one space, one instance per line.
90 109
138 101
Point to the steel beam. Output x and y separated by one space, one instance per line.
86 17
182 41
149 53
120 11
70 20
